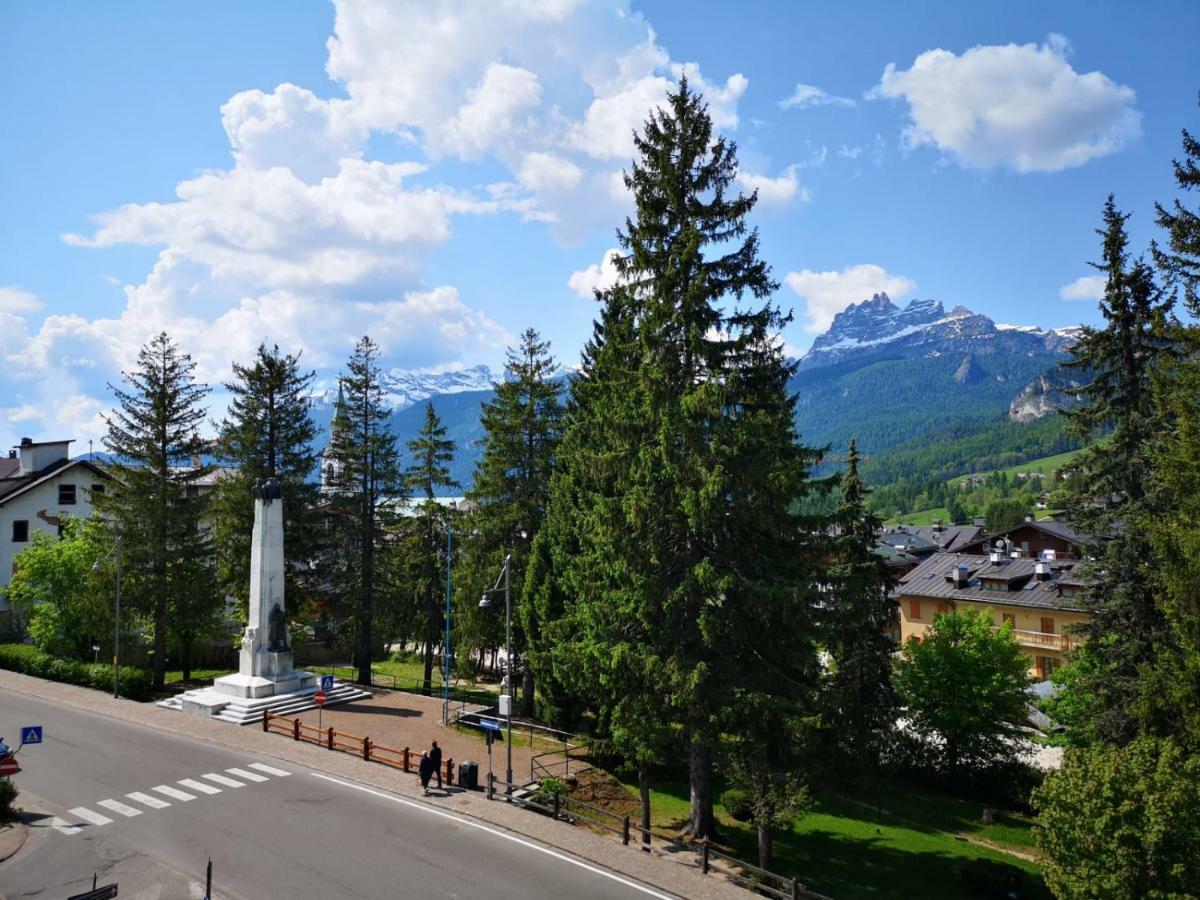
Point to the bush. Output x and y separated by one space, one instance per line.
548 788
135 683
8 796
738 803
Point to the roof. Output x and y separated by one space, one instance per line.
1052 527
14 484
934 578
918 538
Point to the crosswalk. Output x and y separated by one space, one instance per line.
183 791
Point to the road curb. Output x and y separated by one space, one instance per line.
12 839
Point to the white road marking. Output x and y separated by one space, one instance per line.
270 770
200 786
82 812
147 800
59 825
118 807
221 779
249 776
508 837
173 793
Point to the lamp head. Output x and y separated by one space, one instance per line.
96 566
484 602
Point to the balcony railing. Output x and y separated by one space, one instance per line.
1044 640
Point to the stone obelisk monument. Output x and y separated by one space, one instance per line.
265 662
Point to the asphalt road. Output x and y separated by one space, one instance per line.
147 810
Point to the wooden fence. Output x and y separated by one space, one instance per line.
331 739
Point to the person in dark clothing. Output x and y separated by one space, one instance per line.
435 754
426 772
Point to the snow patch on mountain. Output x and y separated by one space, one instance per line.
404 388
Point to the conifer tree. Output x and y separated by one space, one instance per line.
687 543
369 474
1127 630
429 471
267 432
1180 262
511 487
859 703
153 435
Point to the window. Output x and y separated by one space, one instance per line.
1047 625
1046 666
943 608
66 495
20 532
97 489
1009 619
914 609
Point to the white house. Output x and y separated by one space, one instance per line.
40 486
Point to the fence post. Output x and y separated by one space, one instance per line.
625 831
567 757
405 759
645 839
266 720
367 749
491 785
704 856
795 889
329 743
295 729
557 803
450 770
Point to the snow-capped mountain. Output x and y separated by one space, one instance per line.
405 388
923 328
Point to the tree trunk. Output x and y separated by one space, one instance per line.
765 846
527 692
160 640
185 658
701 823
644 792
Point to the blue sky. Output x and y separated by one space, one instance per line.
442 175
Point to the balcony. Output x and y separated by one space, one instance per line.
1043 641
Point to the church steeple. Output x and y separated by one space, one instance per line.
331 466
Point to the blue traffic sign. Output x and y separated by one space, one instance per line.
31 734
327 682
489 724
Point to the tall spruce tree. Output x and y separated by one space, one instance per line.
369 473
268 432
859 703
1180 261
154 438
1113 676
425 556
511 487
687 542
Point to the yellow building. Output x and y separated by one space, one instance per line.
1039 598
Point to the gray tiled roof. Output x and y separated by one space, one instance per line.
930 580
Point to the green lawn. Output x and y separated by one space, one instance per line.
176 675
846 849
1044 466
923 517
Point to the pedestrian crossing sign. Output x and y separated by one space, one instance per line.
327 683
31 734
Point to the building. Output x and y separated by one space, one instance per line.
40 487
333 467
1032 538
1039 598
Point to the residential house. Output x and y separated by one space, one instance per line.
1039 598
1031 538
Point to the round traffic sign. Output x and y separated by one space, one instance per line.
319 698
9 766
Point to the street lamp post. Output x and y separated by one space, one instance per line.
117 628
446 651
484 603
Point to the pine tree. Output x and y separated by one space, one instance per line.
511 487
859 704
369 474
431 454
267 432
683 495
1127 630
1180 263
153 435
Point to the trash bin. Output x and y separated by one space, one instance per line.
468 775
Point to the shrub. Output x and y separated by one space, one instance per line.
135 683
548 788
738 803
8 796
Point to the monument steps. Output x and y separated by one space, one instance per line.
247 711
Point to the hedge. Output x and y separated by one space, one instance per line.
135 683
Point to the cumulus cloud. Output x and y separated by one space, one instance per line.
778 191
596 277
809 95
1017 106
825 294
491 110
1086 287
14 300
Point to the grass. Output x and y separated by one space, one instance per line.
924 517
1044 466
846 848
176 675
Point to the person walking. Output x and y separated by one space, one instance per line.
435 754
426 771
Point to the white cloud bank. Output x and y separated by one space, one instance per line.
1020 106
806 96
1086 287
825 294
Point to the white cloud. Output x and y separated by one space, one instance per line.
809 95
548 172
596 277
1019 106
826 294
491 110
26 413
1086 287
778 191
16 300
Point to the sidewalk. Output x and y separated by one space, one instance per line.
672 877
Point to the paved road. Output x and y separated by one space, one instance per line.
146 810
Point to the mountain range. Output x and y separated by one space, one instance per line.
883 374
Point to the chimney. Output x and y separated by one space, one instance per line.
26 442
995 557
12 454
937 525
962 575
1042 570
1028 517
1015 554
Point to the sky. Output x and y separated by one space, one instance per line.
442 175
